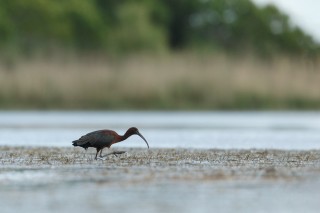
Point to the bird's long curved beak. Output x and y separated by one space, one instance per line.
138 133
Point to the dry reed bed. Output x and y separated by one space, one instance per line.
175 81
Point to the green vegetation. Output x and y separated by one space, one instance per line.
154 54
116 27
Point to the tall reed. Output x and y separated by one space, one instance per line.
176 81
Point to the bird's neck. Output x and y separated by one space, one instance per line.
125 136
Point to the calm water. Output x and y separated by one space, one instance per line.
279 130
44 190
224 197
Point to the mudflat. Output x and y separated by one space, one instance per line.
48 179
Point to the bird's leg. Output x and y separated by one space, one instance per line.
115 153
97 154
101 154
104 155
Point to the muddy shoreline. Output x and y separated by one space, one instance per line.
50 179
164 164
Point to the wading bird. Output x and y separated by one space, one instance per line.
105 138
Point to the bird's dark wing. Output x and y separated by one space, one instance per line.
96 139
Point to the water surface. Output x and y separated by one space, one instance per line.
222 130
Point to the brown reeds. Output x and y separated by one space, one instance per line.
177 81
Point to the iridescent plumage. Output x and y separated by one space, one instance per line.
105 138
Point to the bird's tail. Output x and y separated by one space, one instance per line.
75 143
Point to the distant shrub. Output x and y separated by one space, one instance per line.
126 27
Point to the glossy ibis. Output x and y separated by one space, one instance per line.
105 138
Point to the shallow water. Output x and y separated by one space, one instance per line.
37 179
160 180
178 197
225 130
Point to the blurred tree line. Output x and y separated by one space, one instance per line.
128 26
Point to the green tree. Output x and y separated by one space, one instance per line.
127 26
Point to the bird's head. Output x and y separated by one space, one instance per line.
135 131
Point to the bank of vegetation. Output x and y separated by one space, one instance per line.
152 54
178 81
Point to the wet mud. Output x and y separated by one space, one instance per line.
50 179
141 165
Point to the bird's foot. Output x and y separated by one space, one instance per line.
101 158
115 153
